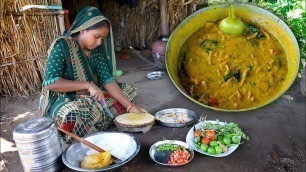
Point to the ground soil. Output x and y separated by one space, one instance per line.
276 131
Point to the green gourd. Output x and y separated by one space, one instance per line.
231 24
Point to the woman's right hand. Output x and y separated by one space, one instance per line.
136 109
95 92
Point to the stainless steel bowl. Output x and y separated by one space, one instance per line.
121 145
162 159
192 115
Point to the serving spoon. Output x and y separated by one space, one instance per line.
232 24
87 143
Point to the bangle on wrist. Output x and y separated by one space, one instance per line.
89 85
130 107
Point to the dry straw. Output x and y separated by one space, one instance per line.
25 37
138 26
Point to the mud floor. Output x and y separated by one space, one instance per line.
276 131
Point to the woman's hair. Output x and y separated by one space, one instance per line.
101 24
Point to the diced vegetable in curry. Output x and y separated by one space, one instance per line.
232 71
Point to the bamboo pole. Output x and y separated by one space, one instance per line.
163 17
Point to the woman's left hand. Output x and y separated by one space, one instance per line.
96 92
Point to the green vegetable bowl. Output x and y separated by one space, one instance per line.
249 14
190 140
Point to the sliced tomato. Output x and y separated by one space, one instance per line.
213 101
179 157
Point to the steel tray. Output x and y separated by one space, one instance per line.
192 115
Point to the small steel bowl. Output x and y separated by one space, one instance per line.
155 75
192 115
162 158
121 145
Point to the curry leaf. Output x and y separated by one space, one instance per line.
279 62
228 75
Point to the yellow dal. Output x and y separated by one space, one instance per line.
263 60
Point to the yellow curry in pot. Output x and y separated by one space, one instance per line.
232 71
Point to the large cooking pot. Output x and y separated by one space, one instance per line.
249 14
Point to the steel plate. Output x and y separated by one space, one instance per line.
125 149
155 75
190 140
192 115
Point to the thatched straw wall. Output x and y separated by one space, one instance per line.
24 39
137 27
140 26
74 6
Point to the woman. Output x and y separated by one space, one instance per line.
79 66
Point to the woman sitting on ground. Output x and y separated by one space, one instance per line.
80 76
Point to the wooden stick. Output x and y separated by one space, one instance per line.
163 17
85 142
28 60
36 14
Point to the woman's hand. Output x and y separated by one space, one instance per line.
95 92
118 94
136 109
